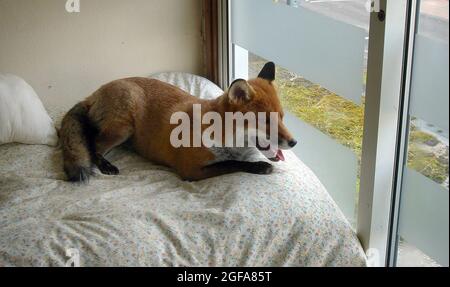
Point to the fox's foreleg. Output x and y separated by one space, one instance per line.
228 167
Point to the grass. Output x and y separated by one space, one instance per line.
422 159
340 119
421 137
343 120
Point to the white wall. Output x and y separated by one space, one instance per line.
66 57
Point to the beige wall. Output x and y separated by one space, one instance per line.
65 57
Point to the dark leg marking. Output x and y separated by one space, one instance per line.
232 166
105 166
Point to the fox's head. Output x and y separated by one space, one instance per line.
260 95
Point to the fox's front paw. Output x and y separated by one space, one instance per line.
108 169
261 167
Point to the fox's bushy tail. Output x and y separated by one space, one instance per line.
77 140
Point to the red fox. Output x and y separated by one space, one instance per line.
139 110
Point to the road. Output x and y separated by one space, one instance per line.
434 17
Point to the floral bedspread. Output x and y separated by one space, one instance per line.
147 216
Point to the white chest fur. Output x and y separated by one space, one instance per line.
237 154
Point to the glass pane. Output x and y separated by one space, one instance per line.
424 211
321 79
317 52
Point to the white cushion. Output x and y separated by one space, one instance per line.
23 118
192 84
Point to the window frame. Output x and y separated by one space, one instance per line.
379 192
413 11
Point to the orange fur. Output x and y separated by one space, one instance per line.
140 109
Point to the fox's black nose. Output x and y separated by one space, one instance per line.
292 143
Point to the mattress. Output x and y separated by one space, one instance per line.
148 216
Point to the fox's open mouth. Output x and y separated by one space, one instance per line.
275 153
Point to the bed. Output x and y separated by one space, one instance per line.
147 216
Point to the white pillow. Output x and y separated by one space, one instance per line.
192 84
23 118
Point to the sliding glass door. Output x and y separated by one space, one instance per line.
423 223
365 87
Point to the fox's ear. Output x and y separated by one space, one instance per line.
239 92
268 72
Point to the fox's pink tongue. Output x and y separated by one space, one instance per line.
280 155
